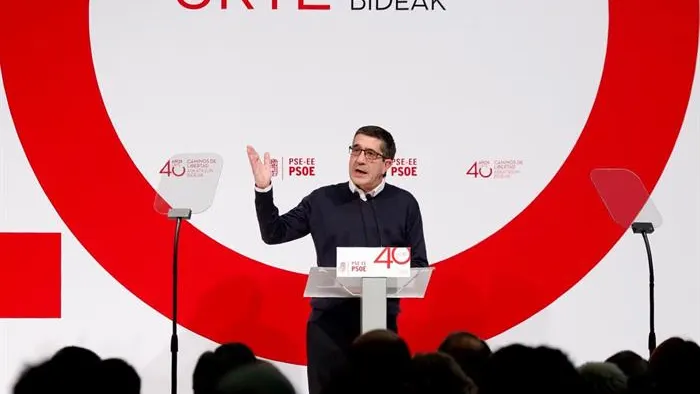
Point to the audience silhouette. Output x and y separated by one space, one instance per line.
380 361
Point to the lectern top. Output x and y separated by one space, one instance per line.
324 283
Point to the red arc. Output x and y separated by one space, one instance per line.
85 171
30 275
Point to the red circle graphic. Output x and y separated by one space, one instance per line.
86 173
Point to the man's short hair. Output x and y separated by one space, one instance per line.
469 351
388 144
603 377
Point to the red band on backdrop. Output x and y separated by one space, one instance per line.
30 275
60 117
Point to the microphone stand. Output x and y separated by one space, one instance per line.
178 214
646 228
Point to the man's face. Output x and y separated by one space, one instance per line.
367 167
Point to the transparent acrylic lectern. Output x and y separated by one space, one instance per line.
373 291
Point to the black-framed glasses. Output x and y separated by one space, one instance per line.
369 153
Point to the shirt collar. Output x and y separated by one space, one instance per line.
362 194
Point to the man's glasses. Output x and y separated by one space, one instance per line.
369 153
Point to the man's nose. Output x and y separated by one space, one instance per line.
361 157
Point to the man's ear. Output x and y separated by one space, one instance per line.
387 164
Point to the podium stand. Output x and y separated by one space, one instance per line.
187 186
323 282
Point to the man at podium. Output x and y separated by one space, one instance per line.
364 212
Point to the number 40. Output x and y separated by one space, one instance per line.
388 256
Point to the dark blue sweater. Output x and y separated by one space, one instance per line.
337 217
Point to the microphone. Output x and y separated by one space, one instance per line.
370 200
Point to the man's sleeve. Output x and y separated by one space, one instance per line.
416 239
276 229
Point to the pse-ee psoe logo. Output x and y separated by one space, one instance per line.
317 5
293 167
404 167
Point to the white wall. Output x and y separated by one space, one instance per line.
483 80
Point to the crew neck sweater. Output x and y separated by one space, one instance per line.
335 216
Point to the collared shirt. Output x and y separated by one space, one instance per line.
353 189
361 192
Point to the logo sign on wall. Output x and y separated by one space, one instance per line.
292 167
495 169
404 167
506 278
316 5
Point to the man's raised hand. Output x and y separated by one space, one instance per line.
261 169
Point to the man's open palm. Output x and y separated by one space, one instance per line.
261 169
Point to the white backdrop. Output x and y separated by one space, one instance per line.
484 80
